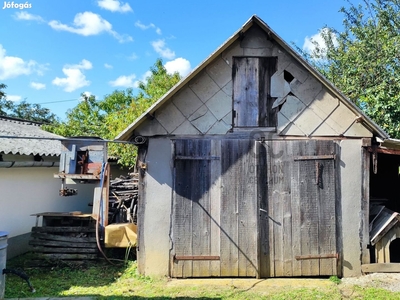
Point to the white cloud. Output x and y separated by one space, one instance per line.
114 6
25 16
12 66
144 27
107 66
124 81
160 47
37 85
180 65
88 23
13 97
75 78
133 56
308 45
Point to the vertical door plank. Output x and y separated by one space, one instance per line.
215 207
246 91
200 176
229 209
263 225
267 115
247 209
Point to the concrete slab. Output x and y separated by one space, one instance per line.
204 86
256 38
187 101
220 72
203 119
292 107
297 72
169 117
258 52
220 104
283 59
233 50
306 91
253 283
279 86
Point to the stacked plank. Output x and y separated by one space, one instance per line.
65 237
123 199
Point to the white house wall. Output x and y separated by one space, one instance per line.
204 105
25 191
156 244
351 205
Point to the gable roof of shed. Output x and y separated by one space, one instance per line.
371 125
27 138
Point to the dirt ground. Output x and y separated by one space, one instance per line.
388 281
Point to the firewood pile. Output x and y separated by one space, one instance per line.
123 199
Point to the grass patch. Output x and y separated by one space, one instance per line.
121 281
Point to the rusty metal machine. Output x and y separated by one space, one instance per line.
81 160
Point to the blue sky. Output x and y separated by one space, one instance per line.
53 51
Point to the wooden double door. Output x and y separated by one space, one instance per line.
243 208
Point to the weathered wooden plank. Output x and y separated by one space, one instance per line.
54 237
140 247
315 157
64 229
205 157
381 268
245 91
196 257
182 210
38 242
229 208
267 116
215 208
295 208
201 183
192 208
247 210
263 225
327 217
252 103
67 256
64 250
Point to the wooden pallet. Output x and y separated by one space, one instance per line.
64 237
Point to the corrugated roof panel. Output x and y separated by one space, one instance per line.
15 128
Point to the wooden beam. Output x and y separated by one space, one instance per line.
317 256
383 150
314 157
381 268
182 157
196 257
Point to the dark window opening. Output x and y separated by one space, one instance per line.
384 192
287 76
394 251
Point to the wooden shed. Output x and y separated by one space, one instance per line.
255 166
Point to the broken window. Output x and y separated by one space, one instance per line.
252 102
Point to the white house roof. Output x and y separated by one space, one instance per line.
368 123
14 138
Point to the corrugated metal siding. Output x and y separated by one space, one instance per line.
20 128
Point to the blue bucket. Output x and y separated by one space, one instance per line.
3 258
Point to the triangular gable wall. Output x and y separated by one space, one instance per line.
204 105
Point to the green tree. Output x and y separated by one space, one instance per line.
363 61
24 110
108 117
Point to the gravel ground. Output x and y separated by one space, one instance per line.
388 281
